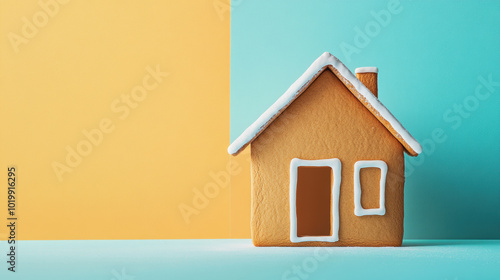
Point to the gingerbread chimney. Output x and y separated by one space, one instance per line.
368 76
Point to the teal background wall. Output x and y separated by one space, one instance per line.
439 64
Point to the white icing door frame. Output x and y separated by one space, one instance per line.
335 165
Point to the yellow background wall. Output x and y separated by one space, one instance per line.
69 68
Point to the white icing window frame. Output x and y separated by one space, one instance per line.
335 165
358 209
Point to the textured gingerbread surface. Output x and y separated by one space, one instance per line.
327 121
370 81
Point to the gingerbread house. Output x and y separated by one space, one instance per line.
327 162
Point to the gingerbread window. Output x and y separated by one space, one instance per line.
358 208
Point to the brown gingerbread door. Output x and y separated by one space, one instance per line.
314 184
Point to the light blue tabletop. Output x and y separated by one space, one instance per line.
239 259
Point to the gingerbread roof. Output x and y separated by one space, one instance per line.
356 87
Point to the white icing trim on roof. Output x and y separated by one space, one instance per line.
366 70
325 60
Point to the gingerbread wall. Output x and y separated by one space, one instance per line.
327 121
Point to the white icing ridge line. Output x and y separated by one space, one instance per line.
325 60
